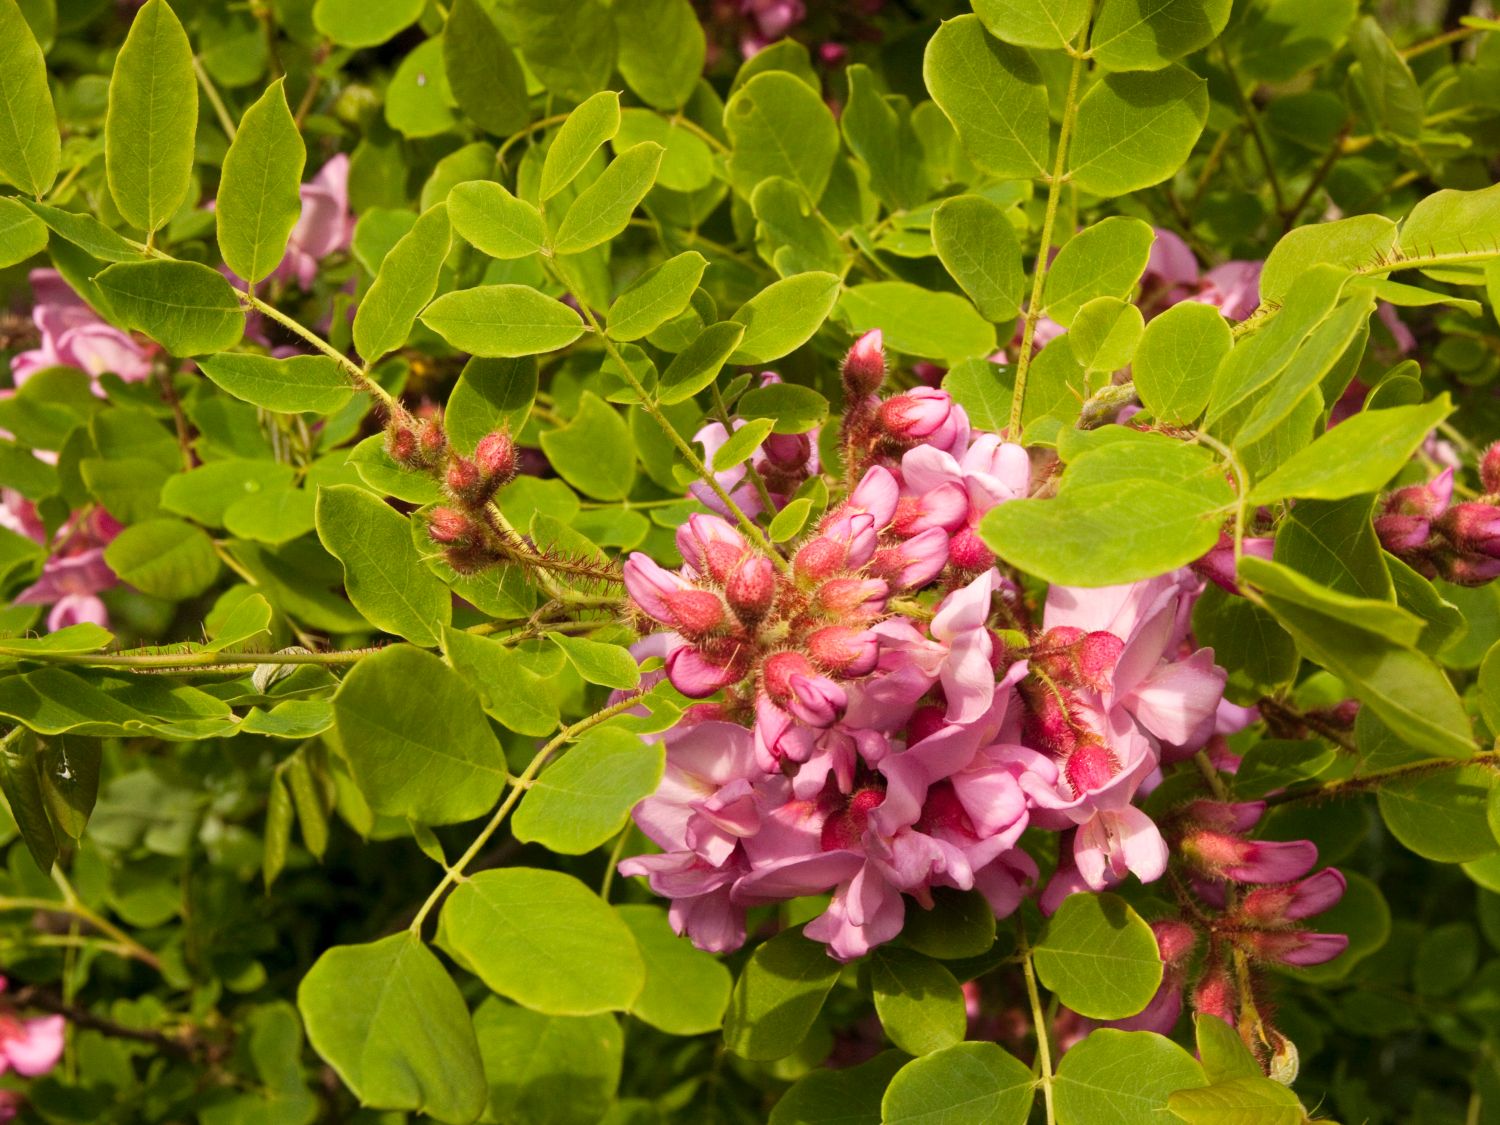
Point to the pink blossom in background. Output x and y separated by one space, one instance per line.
325 226
75 572
72 335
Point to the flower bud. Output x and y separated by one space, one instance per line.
1489 469
1429 500
914 563
451 528
1291 902
710 545
1473 528
864 366
1215 994
432 440
1468 570
699 671
466 484
852 597
1402 534
786 453
844 652
1175 940
468 558
751 588
1069 655
821 557
926 415
1090 766
496 457
791 681
968 552
694 613
401 444
1292 947
1226 856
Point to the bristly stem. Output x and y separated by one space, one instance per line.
1054 193
1039 1023
1252 122
518 787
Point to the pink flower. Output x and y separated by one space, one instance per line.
75 573
967 672
30 1047
73 336
1218 564
325 226
926 415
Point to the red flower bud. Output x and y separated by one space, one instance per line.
432 440
967 551
751 588
1489 469
842 651
696 612
401 445
496 457
1071 656
449 527
864 366
1215 995
1090 767
1473 528
1175 940
466 483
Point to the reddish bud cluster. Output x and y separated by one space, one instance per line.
1421 525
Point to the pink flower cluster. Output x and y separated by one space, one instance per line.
72 335
75 573
1422 526
863 745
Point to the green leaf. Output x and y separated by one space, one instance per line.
1099 957
569 44
490 393
594 452
259 198
784 316
655 297
364 23
795 409
978 246
23 793
688 165
547 1070
1333 542
483 72
918 321
744 442
983 390
598 663
1105 333
662 48
1221 1051
1247 1100
790 520
202 494
1391 97
165 558
544 940
1446 958
699 364
1050 24
586 129
778 126
960 924
427 755
83 637
965 1084
994 95
848 1096
1135 129
1356 243
1367 645
1441 816
185 307
392 1023
314 383
1105 260
1456 227
686 989
1122 1077
87 233
1175 362
418 102
513 694
503 321
1149 34
919 1002
1280 38
407 280
152 119
791 233
68 769
582 800
30 148
1127 510
778 995
494 221
603 209
1489 687
383 573
882 136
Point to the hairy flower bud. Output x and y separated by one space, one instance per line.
1292 947
844 652
496 457
1215 995
466 483
751 588
432 440
852 597
1489 469
1473 528
451 528
864 366
1069 655
1290 902
1223 855
1403 534
926 415
1175 939
694 612
968 552
401 444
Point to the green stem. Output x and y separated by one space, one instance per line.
352 369
1242 490
1040 1024
212 93
518 787
1342 787
614 859
1252 122
1054 193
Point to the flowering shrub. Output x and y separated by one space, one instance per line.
749 560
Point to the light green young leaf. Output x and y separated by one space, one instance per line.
795 409
383 573
978 246
1106 260
609 665
1099 956
392 1023
920 1004
688 165
1449 234
780 992
152 119
530 1059
165 558
1246 1099
699 364
1356 243
1221 1051
1149 34
1049 24
22 234
483 72
983 389
973 1083
511 692
1174 364
430 755
655 297
777 126
1358 455
1122 1077
544 940
584 798
364 23
490 393
259 195
594 452
185 307
918 321
1136 128
1105 333
603 209
784 316
30 147
87 233
407 280
503 321
662 48
303 382
744 441
994 95
587 127
1385 84
494 221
